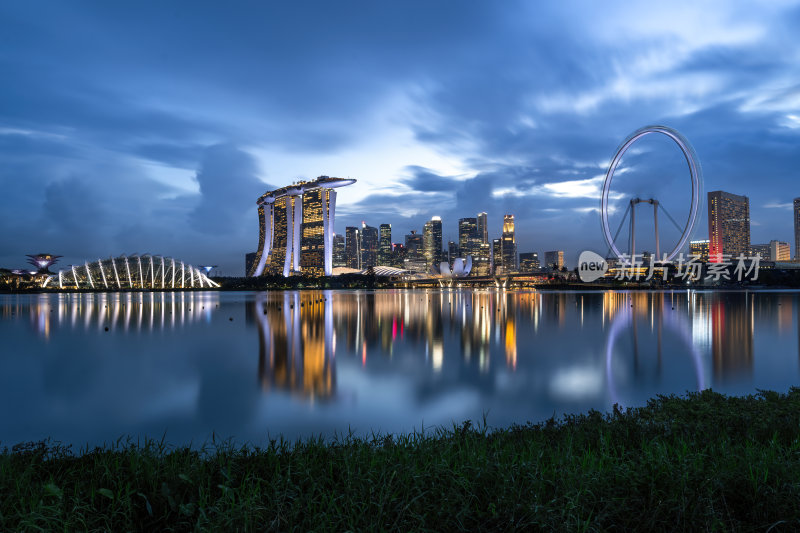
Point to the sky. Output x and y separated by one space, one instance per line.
153 127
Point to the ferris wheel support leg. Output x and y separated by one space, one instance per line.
633 232
655 217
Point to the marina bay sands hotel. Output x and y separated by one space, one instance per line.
296 228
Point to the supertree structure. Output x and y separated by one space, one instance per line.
43 262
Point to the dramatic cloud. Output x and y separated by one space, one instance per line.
228 189
152 127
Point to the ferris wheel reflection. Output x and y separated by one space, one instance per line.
663 317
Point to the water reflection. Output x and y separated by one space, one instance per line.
380 322
390 358
629 312
136 312
296 343
298 332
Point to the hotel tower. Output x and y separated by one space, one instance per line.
296 228
728 225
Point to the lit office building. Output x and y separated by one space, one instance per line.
468 239
414 259
482 264
296 228
699 249
497 256
339 257
509 245
797 229
471 232
779 251
249 261
452 251
369 246
482 260
728 225
414 243
529 262
483 228
432 241
385 245
399 254
352 247
760 250
554 259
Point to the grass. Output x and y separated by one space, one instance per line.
700 462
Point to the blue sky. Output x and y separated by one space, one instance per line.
154 126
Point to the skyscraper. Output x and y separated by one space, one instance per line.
509 245
483 228
279 260
339 255
797 229
700 249
414 259
432 241
352 247
468 239
481 261
249 261
316 204
497 256
296 228
385 245
760 250
369 246
728 225
398 254
414 243
452 251
529 262
779 251
554 259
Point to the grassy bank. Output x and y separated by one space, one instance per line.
702 462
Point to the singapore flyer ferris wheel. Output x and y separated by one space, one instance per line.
685 229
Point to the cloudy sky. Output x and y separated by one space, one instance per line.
142 127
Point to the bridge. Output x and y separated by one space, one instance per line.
505 281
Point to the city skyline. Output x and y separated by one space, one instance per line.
728 223
145 127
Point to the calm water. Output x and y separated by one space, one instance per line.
254 365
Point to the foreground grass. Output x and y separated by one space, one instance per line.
701 462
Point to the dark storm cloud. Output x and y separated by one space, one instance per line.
72 211
423 180
228 189
177 155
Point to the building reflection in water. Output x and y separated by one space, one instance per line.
723 325
125 311
296 342
628 341
731 338
298 331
